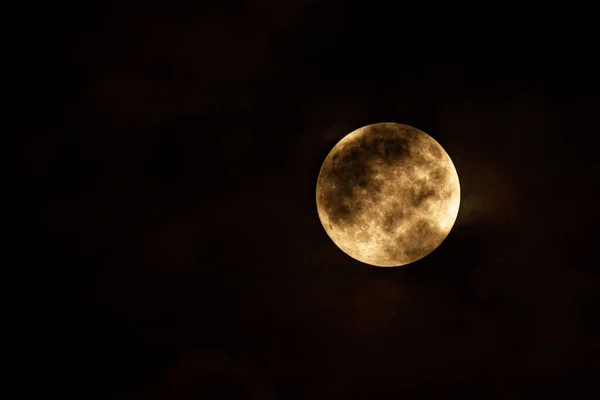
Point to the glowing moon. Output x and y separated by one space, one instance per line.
388 194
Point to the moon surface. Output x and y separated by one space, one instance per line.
388 194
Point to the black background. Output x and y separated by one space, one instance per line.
169 246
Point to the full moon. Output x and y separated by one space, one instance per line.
388 194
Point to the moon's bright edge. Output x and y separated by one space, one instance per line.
388 194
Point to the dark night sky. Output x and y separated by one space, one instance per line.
170 247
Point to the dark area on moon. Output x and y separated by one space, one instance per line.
354 168
167 245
